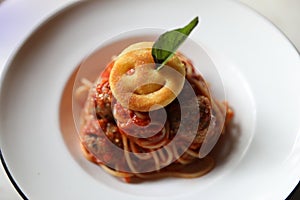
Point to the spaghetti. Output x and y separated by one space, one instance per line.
105 121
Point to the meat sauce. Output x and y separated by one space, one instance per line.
114 120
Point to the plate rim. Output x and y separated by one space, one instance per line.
297 186
43 21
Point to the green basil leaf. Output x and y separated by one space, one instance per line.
167 44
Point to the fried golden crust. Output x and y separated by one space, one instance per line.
136 83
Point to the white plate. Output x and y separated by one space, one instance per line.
260 69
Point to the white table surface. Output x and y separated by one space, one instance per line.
19 17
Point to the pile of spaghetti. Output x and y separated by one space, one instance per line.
111 139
